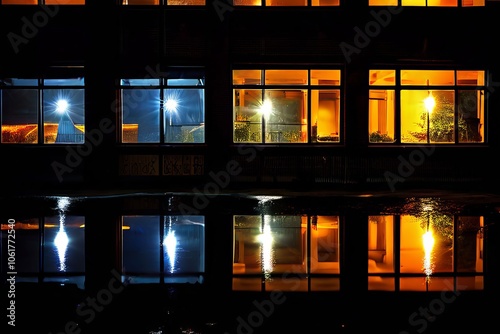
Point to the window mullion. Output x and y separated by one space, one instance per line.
163 126
397 102
263 119
455 116
40 118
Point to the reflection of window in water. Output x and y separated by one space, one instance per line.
163 248
432 251
278 252
52 249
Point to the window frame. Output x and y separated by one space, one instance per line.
162 223
41 87
308 88
399 3
162 85
398 87
43 2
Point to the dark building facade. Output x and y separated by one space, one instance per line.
251 93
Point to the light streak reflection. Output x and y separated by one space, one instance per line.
61 240
170 243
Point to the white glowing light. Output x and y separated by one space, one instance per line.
266 240
63 203
428 240
170 243
171 105
61 241
61 106
429 103
265 198
266 108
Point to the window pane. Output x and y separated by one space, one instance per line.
383 2
64 244
325 115
140 2
382 77
470 78
185 82
471 116
27 246
140 115
381 252
469 3
413 2
19 110
19 2
247 2
325 245
427 77
64 82
63 116
469 241
286 2
325 77
247 77
426 247
286 116
325 2
286 77
141 245
424 122
186 2
184 244
140 82
18 82
65 2
248 110
442 3
184 115
381 116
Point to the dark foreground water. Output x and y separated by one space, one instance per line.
269 262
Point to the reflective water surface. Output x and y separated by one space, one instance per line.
163 263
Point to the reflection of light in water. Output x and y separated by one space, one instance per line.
428 239
63 203
263 199
61 241
170 244
266 240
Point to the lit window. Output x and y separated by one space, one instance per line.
272 3
167 2
43 2
168 249
52 246
436 106
286 106
428 3
165 110
58 119
431 252
298 249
